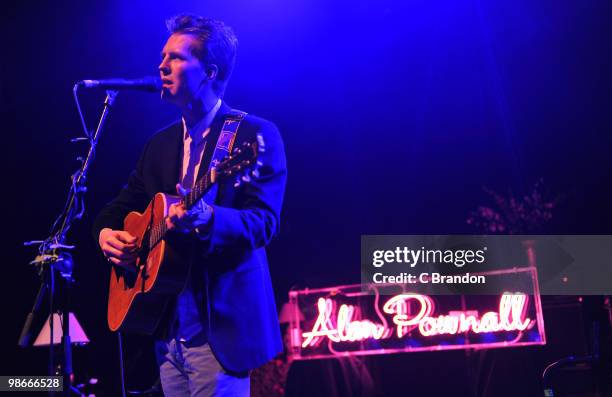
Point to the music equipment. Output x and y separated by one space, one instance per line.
137 299
149 83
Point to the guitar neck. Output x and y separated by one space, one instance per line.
200 188
203 185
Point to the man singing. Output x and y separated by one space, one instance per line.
224 323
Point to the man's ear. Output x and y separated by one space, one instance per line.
211 71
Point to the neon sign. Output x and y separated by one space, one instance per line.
345 320
346 330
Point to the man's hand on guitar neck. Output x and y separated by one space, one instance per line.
182 220
119 247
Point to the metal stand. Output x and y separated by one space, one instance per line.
53 258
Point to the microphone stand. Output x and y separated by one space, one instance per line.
53 258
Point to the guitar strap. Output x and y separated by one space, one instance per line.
224 145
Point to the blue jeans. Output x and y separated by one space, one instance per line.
189 369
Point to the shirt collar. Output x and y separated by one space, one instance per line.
199 131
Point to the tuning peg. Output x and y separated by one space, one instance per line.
237 183
246 178
261 143
255 173
259 163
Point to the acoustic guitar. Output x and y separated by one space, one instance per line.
137 299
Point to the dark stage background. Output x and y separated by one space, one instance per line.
395 115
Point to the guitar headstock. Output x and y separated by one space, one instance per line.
242 163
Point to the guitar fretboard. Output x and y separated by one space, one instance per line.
158 230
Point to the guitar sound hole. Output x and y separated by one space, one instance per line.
142 262
143 253
130 277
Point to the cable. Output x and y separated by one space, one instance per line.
51 282
75 90
59 231
121 370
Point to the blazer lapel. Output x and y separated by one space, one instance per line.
213 136
172 158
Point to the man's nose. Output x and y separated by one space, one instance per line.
164 68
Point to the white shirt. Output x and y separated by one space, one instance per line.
194 141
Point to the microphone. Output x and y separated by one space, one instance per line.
149 83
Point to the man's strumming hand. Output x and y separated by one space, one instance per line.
119 247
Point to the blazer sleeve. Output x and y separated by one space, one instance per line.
132 197
254 219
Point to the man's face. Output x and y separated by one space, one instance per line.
181 72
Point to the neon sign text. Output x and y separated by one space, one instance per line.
346 329
510 316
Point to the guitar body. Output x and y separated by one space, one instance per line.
137 300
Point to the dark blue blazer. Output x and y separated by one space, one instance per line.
243 330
